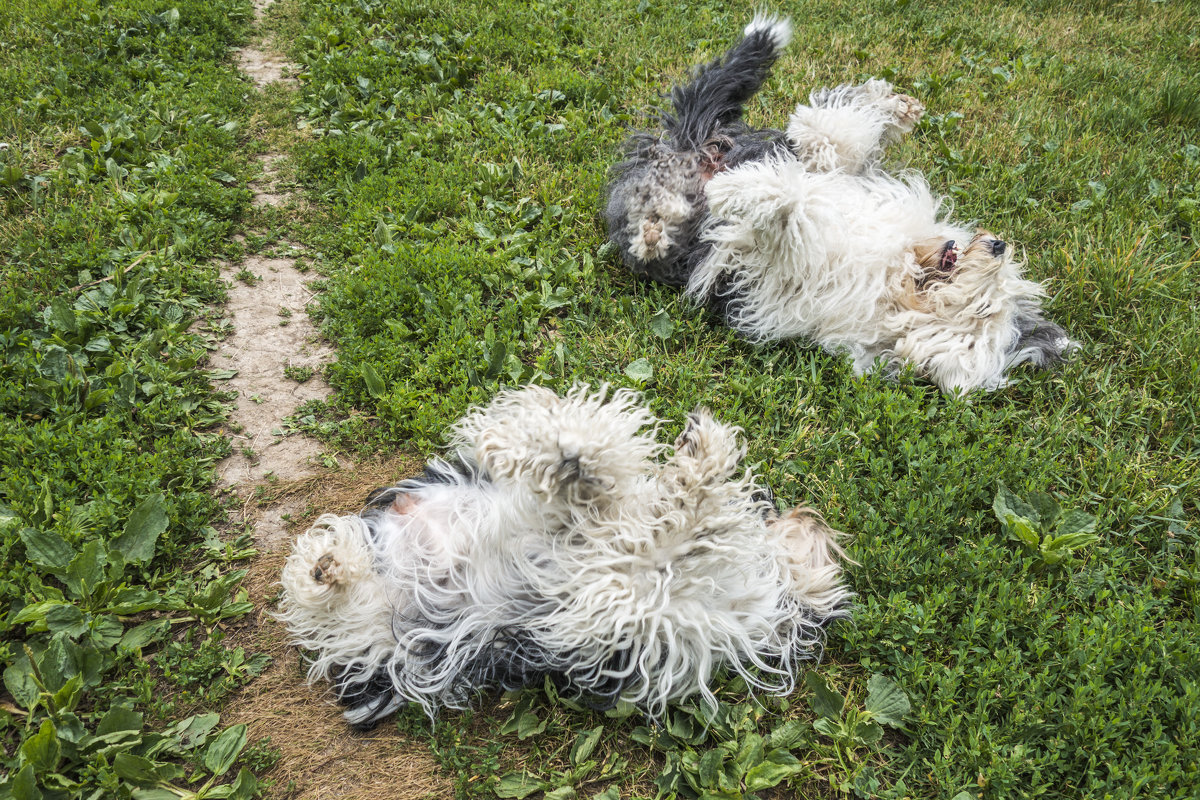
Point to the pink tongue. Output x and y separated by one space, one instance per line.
949 258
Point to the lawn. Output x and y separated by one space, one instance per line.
453 157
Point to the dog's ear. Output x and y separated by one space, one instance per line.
1040 341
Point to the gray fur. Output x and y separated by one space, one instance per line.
663 175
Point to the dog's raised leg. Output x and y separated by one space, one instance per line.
706 451
580 448
812 558
847 127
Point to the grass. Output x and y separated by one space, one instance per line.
452 158
120 186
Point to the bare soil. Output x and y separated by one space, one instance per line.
283 483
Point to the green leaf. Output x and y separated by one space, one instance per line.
561 793
708 771
1075 521
661 325
829 727
1024 530
47 549
621 710
136 769
375 385
60 315
37 613
518 785
787 735
750 753
20 683
1007 503
142 635
134 600
42 750
1047 509
825 701
223 750
585 745
66 698
194 729
866 732
1061 545
142 529
119 718
640 370
24 785
778 767
245 787
886 701
86 569
528 724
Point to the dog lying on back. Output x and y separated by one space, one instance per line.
559 544
802 233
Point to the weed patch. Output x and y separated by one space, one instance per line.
121 182
460 153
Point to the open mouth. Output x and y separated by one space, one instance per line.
940 263
948 258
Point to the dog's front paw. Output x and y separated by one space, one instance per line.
327 571
707 449
906 111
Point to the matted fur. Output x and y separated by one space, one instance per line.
804 234
564 541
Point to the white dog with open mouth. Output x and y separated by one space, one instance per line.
560 543
803 234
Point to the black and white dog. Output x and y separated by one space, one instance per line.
802 233
560 543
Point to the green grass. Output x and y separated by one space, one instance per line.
460 156
118 189
454 158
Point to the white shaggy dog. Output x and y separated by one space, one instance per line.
802 234
561 544
824 245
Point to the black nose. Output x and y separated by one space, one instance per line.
998 247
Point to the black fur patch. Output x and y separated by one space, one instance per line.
702 133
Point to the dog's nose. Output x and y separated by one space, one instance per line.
998 247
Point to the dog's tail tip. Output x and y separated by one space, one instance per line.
778 28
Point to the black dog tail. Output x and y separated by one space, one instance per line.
720 89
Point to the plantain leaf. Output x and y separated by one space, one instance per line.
886 701
825 701
224 749
142 529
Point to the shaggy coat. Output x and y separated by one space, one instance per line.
561 543
803 234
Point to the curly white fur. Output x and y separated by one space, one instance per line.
828 247
563 545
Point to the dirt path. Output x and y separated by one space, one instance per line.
271 344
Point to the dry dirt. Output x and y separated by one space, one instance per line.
320 756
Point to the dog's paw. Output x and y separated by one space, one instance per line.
651 241
708 449
906 111
327 571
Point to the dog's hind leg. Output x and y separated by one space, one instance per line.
706 451
579 448
847 127
812 557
